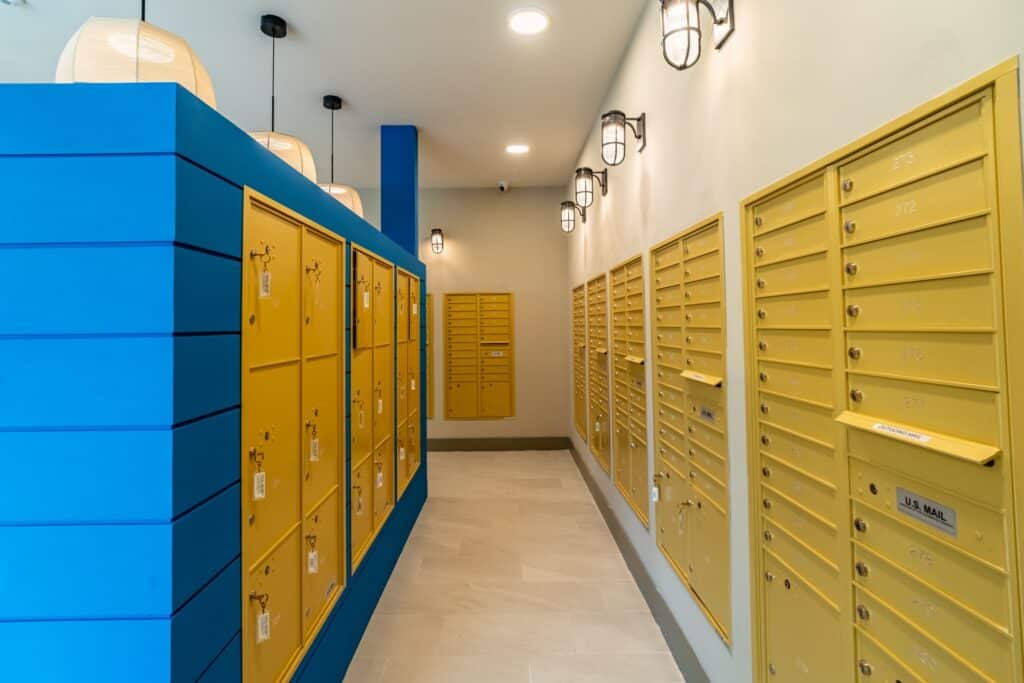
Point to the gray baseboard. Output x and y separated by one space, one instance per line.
682 652
542 443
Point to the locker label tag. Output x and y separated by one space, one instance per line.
412 385
401 453
380 406
900 432
415 307
366 299
380 479
314 449
313 562
928 511
655 494
263 627
264 284
259 486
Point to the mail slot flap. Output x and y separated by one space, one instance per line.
819 572
881 665
962 449
636 360
812 457
800 238
807 273
709 380
795 311
790 206
701 241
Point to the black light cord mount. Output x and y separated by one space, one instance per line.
275 27
332 103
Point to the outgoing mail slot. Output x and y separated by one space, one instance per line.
274 588
704 291
668 318
814 458
670 357
321 578
805 524
668 255
975 529
703 339
802 418
981 484
670 275
809 347
801 630
805 274
976 584
708 364
791 206
796 381
702 267
965 413
795 240
946 250
928 659
704 315
794 310
956 627
875 663
958 357
939 145
958 192
812 493
820 573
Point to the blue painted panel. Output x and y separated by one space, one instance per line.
399 186
85 651
209 210
207 292
206 458
206 375
200 631
227 668
205 540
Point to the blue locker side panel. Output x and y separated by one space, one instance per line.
227 668
206 625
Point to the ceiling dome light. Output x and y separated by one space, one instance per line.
528 21
113 50
517 149
345 194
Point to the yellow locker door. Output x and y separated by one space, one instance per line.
362 295
673 496
495 399
462 399
321 565
361 504
383 304
639 476
383 483
622 461
402 382
363 404
413 445
272 626
321 452
271 295
413 377
429 354
383 394
402 304
414 309
402 471
271 440
321 313
709 556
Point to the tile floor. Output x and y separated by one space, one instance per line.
511 576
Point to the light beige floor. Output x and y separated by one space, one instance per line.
511 576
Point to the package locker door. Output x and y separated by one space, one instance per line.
273 622
462 356
599 432
321 559
430 356
362 304
383 393
361 497
579 337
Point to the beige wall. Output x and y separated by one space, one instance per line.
505 243
796 81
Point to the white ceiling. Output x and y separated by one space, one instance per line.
451 67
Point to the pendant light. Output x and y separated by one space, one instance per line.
118 50
569 211
345 194
292 150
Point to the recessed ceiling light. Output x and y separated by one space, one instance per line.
528 21
517 149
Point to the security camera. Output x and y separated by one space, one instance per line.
503 186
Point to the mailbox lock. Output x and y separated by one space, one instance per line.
689 340
851 269
761 284
261 598
864 667
689 317
771 669
759 251
769 577
762 345
767 504
763 376
856 395
853 310
860 525
766 440
762 314
863 612
862 569
693 475
854 353
758 221
850 227
766 471
768 535
847 185
764 408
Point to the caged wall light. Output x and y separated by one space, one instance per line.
613 135
437 240
585 178
569 210
681 33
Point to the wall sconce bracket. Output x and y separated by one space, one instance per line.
725 20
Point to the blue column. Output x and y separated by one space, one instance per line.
399 186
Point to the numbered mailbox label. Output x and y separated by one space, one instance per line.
259 486
655 494
263 627
264 284
313 562
314 449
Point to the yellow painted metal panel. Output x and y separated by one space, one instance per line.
875 663
362 294
362 404
273 598
322 560
402 304
462 399
322 452
383 483
479 356
362 507
430 356
402 381
383 304
322 287
806 237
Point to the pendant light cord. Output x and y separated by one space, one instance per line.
273 84
143 10
332 147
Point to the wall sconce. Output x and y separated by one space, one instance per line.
585 185
613 135
569 210
437 240
680 29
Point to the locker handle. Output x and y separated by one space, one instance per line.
954 447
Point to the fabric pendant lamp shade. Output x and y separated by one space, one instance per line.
346 195
290 149
112 50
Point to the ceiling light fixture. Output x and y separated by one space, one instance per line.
585 178
345 194
437 240
292 150
569 210
680 29
517 149
528 21
613 135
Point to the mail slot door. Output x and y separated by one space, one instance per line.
815 458
963 303
621 462
702 267
273 622
707 363
363 407
383 303
495 399
808 347
668 318
704 315
791 206
383 482
673 499
413 377
402 381
402 306
802 631
462 399
703 291
709 557
384 393
413 446
810 526
801 238
962 357
796 381
321 564
810 310
875 663
361 507
321 438
414 309
820 573
272 289
804 274
798 417
700 243
322 287
639 476
669 275
270 443
668 255
362 305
